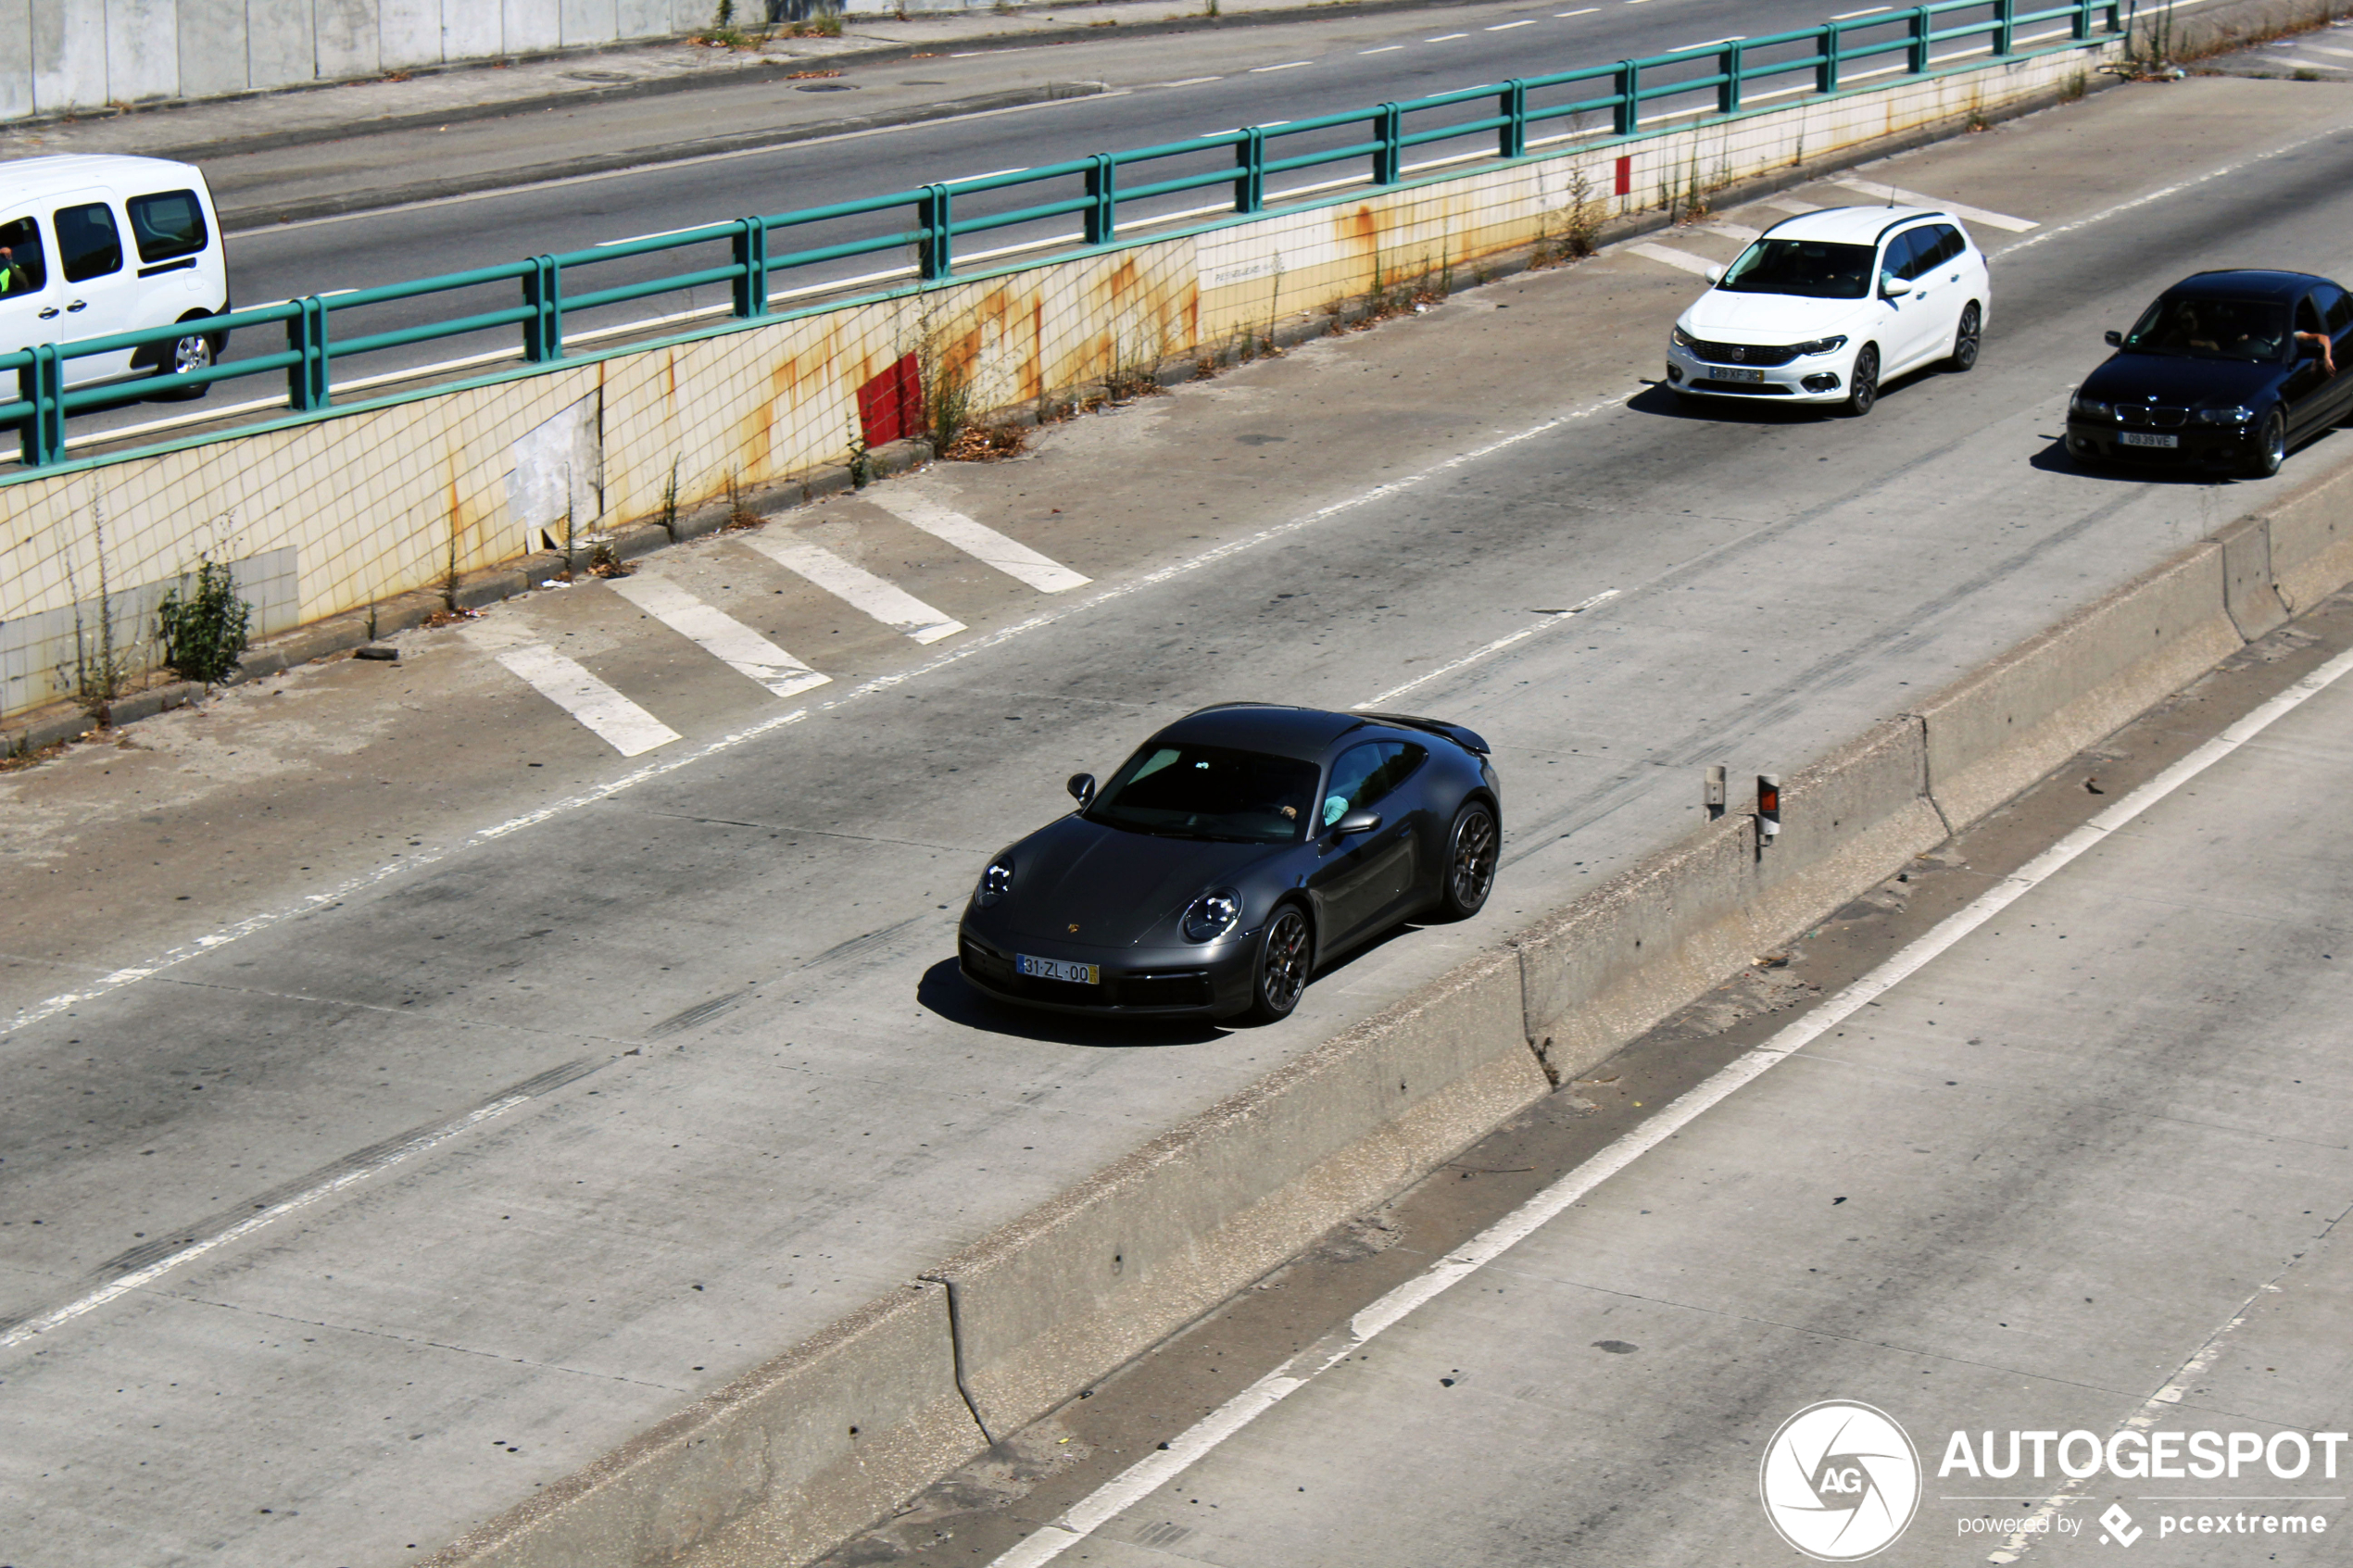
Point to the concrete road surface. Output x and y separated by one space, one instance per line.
416 1087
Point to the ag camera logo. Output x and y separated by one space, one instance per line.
1839 1481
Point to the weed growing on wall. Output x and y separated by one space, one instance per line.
100 671
203 626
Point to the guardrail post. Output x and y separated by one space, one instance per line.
1629 96
1389 158
543 290
2004 26
1250 185
1923 31
1511 137
307 336
2079 28
935 248
1727 95
752 254
43 384
1833 50
1102 190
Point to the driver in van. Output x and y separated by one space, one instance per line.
12 277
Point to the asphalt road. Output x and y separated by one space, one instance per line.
677 1041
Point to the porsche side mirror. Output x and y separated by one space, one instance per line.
1082 789
1356 823
2114 339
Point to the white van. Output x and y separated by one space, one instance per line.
94 244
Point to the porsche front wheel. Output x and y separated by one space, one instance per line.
1471 846
1279 975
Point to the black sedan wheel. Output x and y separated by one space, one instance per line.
1964 355
2271 446
1280 974
1471 846
1862 388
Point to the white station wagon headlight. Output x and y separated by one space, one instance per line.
1819 346
1684 339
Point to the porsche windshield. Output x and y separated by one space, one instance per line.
2212 329
1182 791
1813 268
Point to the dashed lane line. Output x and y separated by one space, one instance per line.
978 540
720 634
615 719
1684 260
857 588
1913 198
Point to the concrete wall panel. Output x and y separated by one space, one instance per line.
344 35
68 56
408 33
589 22
142 49
531 24
16 58
279 51
471 30
213 49
641 19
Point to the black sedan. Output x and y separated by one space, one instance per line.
1235 852
2227 369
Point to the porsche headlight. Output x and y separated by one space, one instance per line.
996 882
2089 407
2234 415
1212 915
1819 346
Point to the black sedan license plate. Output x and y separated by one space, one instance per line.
2145 438
1736 372
1059 969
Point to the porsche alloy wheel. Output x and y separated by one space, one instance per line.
1471 845
1280 974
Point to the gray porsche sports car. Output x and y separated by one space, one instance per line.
1237 851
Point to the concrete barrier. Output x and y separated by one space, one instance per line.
773 1469
1062 1295
1611 965
1996 731
2311 541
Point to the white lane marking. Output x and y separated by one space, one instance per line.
352 887
720 634
857 588
1682 258
1550 620
1189 81
1866 11
1788 203
1913 198
1445 37
1140 1480
620 722
251 1223
2324 49
657 234
1585 12
977 540
1506 27
2163 191
1292 65
1384 49
1687 48
968 179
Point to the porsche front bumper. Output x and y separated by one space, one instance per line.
1204 980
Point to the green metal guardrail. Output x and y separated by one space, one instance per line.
1818 57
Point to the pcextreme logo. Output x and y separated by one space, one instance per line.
1839 1481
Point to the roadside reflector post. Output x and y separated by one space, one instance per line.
1713 791
1768 810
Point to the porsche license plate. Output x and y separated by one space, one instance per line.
2147 438
1059 969
1736 372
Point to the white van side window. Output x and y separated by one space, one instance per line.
23 267
168 224
88 244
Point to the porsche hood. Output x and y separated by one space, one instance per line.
1114 886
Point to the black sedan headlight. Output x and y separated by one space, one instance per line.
1819 346
2237 414
2084 407
1212 915
995 883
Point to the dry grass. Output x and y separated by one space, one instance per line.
986 443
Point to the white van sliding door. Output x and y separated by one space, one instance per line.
96 284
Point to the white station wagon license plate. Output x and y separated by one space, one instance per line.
1736 372
1059 969
2143 438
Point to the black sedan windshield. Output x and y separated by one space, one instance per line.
1810 268
1209 791
2251 330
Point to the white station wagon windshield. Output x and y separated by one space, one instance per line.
1811 269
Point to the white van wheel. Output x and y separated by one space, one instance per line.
187 354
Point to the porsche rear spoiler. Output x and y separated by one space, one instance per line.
1470 740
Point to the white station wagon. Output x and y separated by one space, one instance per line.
92 246
1825 306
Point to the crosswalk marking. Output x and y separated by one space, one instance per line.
977 540
1732 230
1681 258
720 633
628 728
1788 204
887 602
1967 214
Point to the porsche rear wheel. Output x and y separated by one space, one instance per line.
1471 846
1279 975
